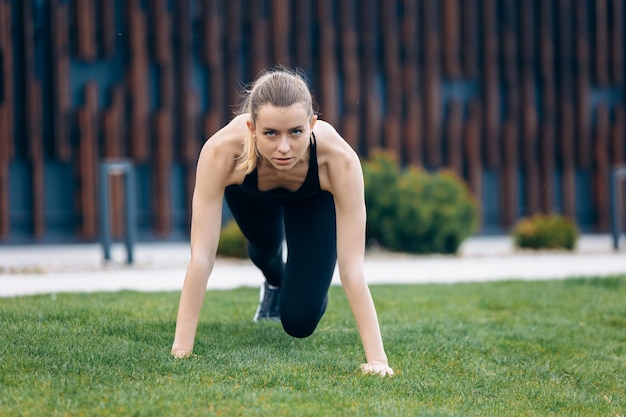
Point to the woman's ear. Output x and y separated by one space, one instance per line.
313 120
250 125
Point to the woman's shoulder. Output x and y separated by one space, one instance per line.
331 146
228 139
335 157
221 150
233 131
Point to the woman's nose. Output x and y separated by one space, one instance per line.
283 145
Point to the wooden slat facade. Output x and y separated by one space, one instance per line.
524 100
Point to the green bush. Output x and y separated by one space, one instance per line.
232 243
545 232
413 211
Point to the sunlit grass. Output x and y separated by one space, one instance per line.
483 349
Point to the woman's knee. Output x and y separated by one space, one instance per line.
301 321
298 328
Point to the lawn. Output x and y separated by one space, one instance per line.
512 348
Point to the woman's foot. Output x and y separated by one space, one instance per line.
269 304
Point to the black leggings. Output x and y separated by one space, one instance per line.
309 228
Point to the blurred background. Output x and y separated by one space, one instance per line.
523 99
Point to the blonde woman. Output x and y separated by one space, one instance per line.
286 177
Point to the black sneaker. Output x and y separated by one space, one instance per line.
269 308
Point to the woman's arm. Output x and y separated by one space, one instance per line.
346 179
214 172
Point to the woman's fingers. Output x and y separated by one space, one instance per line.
181 353
378 369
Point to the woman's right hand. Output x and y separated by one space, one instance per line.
180 353
377 368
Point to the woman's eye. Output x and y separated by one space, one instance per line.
296 132
270 133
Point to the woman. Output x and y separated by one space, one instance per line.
286 177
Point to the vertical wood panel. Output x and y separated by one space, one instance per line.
393 77
617 18
281 31
529 119
490 75
566 109
509 168
617 147
259 54
162 169
582 87
601 168
85 29
6 80
163 120
349 62
304 53
33 119
87 163
61 85
410 74
601 42
113 134
568 159
432 84
5 226
548 101
233 36
372 113
547 167
509 180
328 84
185 98
470 37
618 137
473 132
213 58
113 125
138 81
185 101
106 27
531 165
454 133
6 114
451 37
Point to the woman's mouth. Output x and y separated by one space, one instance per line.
282 161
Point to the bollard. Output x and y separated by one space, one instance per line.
107 169
618 174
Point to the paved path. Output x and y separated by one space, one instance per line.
41 269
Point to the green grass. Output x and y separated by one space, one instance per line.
481 349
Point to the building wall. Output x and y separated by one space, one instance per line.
525 100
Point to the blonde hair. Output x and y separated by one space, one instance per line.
279 87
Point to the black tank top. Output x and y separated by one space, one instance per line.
281 195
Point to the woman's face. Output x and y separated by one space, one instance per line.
282 134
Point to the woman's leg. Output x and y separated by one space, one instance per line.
311 258
261 222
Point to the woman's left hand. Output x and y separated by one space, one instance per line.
377 368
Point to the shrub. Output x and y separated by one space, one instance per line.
545 232
381 175
232 243
414 211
